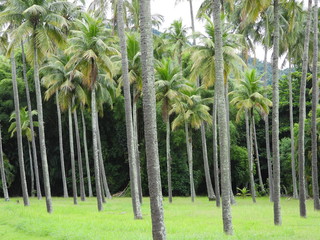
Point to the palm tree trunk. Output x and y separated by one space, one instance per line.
96 149
250 160
63 171
136 140
2 170
102 168
19 132
76 127
34 147
73 164
128 113
86 153
192 22
210 191
293 164
222 122
302 116
215 151
315 102
169 159
275 118
32 190
257 155
190 160
266 127
45 169
150 123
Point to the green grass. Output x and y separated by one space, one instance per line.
184 220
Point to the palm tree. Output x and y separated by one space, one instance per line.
191 112
2 170
222 121
275 117
192 19
168 83
150 123
41 23
248 98
128 112
302 115
91 54
315 101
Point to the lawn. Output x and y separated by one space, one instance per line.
183 219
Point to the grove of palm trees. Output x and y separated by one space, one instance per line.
113 126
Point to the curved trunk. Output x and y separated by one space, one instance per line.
43 150
210 191
250 158
215 151
136 141
222 122
2 170
257 155
150 123
76 127
102 168
34 146
293 164
169 159
86 153
302 116
128 113
73 164
32 190
190 160
94 118
275 118
19 132
63 171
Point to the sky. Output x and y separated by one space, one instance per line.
171 11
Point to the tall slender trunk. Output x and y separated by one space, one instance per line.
86 153
73 164
293 163
169 159
136 140
215 151
2 170
150 123
80 166
192 22
257 154
32 190
302 116
222 122
266 127
94 118
63 171
315 102
34 147
190 160
210 191
43 149
128 113
102 168
275 117
250 159
19 132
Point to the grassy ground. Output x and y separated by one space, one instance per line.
184 220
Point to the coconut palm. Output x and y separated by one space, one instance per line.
90 54
248 98
192 111
302 115
168 86
150 123
222 119
2 170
